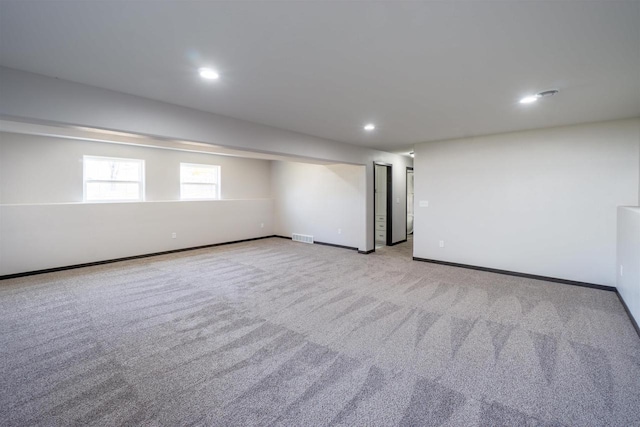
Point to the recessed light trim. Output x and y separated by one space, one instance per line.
369 127
533 98
209 73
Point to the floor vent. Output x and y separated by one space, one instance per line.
304 238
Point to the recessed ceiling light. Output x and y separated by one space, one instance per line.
529 99
369 127
209 74
533 98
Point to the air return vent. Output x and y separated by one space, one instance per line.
304 238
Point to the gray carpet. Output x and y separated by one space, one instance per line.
279 333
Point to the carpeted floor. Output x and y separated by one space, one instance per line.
273 332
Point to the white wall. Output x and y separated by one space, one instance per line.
25 158
628 282
38 99
540 202
35 237
318 200
44 224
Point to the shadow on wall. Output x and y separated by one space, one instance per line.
324 201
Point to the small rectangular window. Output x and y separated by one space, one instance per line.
108 179
199 182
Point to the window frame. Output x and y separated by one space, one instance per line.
216 185
140 182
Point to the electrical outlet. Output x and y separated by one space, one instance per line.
397 199
174 235
262 225
621 270
424 203
339 230
442 243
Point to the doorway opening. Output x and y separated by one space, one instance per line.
409 202
383 199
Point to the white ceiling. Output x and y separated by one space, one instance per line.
421 71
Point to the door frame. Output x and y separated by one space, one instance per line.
406 204
389 230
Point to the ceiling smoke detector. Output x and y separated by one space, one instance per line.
547 93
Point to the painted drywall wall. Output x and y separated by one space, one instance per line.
628 258
34 98
36 237
326 202
25 160
539 202
44 224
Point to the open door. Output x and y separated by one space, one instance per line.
409 201
383 200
